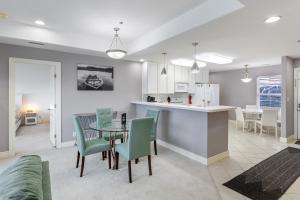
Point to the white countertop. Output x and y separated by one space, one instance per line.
186 107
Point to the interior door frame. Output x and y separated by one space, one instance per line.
12 68
296 136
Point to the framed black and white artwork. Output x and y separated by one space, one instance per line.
91 77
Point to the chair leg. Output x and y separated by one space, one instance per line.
117 160
261 128
136 161
109 159
155 147
129 171
82 166
149 165
255 127
78 157
103 155
276 131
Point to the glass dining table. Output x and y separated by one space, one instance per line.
116 127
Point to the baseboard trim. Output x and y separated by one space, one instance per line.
68 144
194 156
5 154
218 157
286 140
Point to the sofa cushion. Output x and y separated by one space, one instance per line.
46 181
22 180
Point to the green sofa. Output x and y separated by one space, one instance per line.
27 179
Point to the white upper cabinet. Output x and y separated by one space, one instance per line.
149 78
162 80
181 74
202 76
153 82
171 79
192 83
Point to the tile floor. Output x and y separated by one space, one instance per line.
246 150
174 176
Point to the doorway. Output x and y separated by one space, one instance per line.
34 105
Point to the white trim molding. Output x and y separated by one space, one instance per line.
12 131
287 140
68 144
5 154
193 156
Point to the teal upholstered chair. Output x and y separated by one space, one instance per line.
88 147
104 118
138 144
154 114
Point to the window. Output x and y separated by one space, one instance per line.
269 91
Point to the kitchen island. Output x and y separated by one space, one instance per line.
200 133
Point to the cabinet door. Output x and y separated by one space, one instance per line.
162 80
198 77
205 75
152 78
171 79
185 74
192 85
178 74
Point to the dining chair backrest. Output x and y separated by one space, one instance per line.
139 137
239 114
104 117
269 117
80 139
251 107
155 115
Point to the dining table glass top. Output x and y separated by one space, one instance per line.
115 126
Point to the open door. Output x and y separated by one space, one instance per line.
52 107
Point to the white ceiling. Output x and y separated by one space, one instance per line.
242 35
97 17
230 27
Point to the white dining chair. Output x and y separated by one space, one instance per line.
240 118
252 116
268 119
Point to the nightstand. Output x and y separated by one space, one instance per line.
30 118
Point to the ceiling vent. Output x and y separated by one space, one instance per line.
37 43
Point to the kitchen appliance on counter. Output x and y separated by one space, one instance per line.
206 95
181 87
176 100
151 99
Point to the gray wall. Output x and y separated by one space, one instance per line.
235 93
202 133
287 101
127 86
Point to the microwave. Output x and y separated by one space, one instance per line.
181 87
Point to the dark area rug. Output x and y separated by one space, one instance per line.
270 178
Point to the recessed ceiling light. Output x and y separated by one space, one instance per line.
186 62
214 58
142 60
39 22
3 15
272 19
